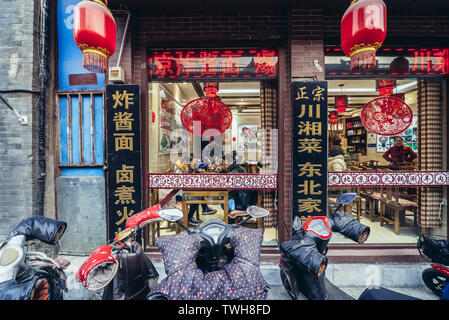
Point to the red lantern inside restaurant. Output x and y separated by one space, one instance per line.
385 87
94 31
333 117
202 114
341 102
363 31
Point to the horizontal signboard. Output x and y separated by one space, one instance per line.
393 62
208 181
218 64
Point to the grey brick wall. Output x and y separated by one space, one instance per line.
18 59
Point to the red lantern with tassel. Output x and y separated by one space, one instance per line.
94 31
341 102
208 113
363 31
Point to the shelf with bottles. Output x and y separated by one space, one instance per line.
356 135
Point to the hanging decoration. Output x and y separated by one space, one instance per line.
333 117
387 116
363 31
94 31
341 102
206 113
385 87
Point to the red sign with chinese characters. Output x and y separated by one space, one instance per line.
394 61
213 64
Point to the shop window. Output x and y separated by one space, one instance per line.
80 124
173 149
398 208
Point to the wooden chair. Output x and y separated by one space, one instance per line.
399 206
332 203
239 215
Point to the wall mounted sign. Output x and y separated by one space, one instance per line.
393 61
217 181
123 155
71 74
216 64
309 149
381 179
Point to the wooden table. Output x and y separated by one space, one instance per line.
204 196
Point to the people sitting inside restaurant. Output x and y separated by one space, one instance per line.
336 160
399 154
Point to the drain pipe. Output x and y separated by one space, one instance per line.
124 34
42 106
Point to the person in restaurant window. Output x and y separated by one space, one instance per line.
336 161
398 154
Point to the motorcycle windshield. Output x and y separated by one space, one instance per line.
319 226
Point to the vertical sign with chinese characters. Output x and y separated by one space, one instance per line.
123 155
309 149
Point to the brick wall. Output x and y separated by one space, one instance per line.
18 154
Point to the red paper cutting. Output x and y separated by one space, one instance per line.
387 116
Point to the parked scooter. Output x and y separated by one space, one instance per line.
32 275
121 269
436 278
215 261
303 261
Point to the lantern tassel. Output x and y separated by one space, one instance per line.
95 62
362 61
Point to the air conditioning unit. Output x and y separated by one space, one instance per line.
116 75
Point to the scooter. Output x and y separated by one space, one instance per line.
121 269
435 278
215 261
32 275
303 261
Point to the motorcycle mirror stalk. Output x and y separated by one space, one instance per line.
173 215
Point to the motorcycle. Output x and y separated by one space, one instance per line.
435 278
121 269
32 275
215 261
303 259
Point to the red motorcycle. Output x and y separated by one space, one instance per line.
436 278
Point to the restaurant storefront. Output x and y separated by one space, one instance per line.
255 59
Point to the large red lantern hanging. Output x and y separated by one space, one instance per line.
387 116
202 114
333 117
363 31
94 31
341 102
385 87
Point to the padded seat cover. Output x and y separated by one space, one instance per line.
240 279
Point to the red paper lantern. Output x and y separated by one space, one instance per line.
333 117
202 114
94 31
387 116
385 87
363 31
341 102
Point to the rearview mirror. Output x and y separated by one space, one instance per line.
257 212
171 215
297 224
346 198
